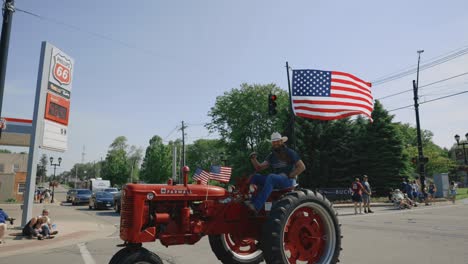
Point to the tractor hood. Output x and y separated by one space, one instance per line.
166 192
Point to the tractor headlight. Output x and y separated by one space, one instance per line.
150 196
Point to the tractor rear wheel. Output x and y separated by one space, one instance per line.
302 228
234 249
135 255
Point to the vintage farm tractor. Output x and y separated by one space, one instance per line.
296 226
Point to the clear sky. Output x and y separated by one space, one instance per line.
142 67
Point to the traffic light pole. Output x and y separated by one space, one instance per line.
291 111
8 10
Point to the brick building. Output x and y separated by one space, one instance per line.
13 168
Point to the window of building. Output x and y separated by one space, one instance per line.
15 167
21 187
2 167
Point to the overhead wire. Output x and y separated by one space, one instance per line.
428 101
414 67
94 34
426 85
436 61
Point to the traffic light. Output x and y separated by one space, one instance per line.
272 104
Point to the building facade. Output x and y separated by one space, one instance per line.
13 168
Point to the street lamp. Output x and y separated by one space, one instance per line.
457 138
53 180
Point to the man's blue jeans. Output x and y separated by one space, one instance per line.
267 184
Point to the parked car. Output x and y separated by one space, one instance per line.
101 200
117 204
69 195
111 190
80 196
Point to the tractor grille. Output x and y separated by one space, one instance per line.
126 219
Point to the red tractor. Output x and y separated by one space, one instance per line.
296 226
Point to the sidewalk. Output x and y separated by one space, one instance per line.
73 225
439 201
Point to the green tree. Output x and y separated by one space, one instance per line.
115 168
439 159
205 152
156 167
41 172
384 159
241 118
135 155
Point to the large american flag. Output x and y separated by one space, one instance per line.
220 173
201 175
329 95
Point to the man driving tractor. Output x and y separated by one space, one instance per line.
286 165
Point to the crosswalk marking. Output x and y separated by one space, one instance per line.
87 258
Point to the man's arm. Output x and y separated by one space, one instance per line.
257 165
299 167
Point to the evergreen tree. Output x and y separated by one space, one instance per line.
156 167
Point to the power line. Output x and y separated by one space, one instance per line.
437 61
422 86
94 34
436 99
175 128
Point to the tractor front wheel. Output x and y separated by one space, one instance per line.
302 228
234 249
135 255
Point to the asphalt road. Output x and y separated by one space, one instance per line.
433 234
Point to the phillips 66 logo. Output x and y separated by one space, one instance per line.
62 69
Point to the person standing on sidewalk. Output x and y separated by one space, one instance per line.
366 195
357 190
453 191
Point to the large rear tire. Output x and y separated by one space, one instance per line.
302 228
233 249
118 256
135 255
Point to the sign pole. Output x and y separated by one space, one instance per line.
36 133
292 120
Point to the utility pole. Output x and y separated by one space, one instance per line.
174 163
8 10
76 175
183 143
83 154
421 159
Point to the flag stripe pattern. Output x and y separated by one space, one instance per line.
220 173
201 175
330 95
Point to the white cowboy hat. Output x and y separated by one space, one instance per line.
277 136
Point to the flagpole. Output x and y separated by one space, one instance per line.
292 117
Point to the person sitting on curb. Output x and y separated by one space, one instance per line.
45 213
400 200
286 165
38 227
3 226
30 229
